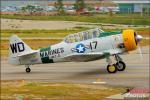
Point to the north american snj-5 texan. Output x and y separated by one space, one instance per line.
90 45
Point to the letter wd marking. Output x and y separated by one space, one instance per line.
17 47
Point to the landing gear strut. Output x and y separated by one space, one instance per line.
28 70
113 68
120 64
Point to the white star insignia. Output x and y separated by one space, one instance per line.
80 48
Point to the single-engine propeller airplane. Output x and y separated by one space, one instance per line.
83 46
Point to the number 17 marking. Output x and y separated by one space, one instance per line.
93 45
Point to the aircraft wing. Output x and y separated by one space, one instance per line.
27 53
91 56
83 57
113 51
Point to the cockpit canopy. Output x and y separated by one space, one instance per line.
84 35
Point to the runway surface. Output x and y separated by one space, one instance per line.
135 75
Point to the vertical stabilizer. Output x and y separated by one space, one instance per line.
16 47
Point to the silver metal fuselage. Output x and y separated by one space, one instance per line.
59 51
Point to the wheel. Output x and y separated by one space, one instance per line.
112 68
120 66
28 70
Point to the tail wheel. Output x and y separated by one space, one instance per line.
120 66
112 68
28 70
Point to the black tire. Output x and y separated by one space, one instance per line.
121 66
28 70
112 71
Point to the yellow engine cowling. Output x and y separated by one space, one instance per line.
129 39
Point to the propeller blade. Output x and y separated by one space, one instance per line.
146 38
140 52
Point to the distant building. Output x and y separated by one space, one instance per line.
130 6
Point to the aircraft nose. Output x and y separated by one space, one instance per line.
139 38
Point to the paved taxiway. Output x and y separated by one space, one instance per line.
136 73
54 25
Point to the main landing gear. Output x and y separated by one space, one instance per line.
118 66
28 70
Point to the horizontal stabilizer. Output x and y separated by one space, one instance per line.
28 53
